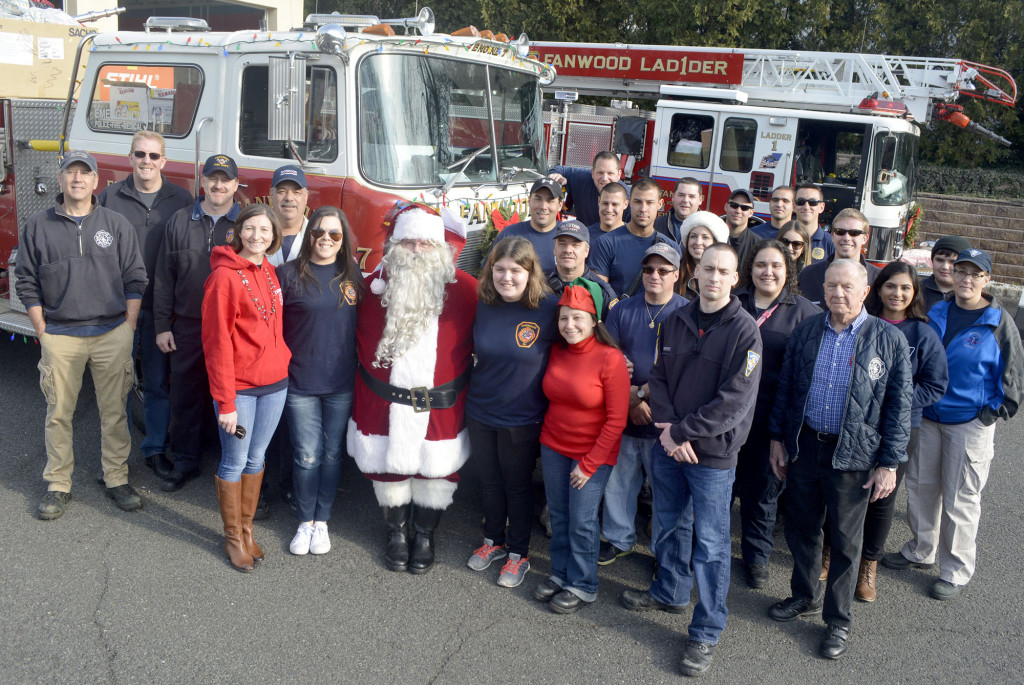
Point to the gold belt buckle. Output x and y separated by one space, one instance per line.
414 399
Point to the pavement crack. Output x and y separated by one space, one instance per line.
101 630
457 647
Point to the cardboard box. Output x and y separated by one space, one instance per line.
36 58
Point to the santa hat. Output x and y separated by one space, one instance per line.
414 221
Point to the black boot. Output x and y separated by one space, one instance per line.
396 552
424 521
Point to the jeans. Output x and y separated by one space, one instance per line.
156 372
619 521
505 458
678 488
317 425
758 490
259 417
575 533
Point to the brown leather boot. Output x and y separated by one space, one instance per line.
866 591
229 497
250 498
826 561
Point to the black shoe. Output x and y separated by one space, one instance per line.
396 546
756 575
176 479
288 496
898 562
609 553
697 658
160 464
834 644
637 600
53 505
262 510
546 590
125 497
565 602
791 608
421 551
100 480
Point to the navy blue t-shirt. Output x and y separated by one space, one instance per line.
543 243
511 344
629 323
596 232
958 319
320 334
617 255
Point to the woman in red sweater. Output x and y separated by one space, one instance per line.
247 362
587 387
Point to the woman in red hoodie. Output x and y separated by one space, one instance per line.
587 387
247 362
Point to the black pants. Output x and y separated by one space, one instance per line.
190 402
814 487
505 458
758 490
280 456
880 512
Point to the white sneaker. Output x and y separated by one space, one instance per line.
301 541
320 542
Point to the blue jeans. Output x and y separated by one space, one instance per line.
156 371
619 521
317 426
678 488
575 533
259 417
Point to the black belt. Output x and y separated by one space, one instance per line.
422 398
822 437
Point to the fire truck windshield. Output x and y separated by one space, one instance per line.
421 119
894 168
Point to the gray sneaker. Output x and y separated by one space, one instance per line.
513 573
486 555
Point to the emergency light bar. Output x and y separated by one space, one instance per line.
697 93
169 24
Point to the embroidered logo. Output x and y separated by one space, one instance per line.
228 236
752 359
348 291
972 340
818 253
974 253
527 333
103 239
876 367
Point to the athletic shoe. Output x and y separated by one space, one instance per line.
303 537
609 553
513 573
320 541
486 555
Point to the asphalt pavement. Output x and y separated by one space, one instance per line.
102 596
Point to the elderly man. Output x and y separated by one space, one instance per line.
148 200
84 315
839 429
415 340
686 200
288 198
850 233
584 185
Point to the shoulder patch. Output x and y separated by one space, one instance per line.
752 359
818 253
348 291
527 333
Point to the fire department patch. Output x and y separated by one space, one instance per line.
818 253
228 236
103 239
348 291
527 333
876 367
972 340
752 359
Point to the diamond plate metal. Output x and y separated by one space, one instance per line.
585 141
35 120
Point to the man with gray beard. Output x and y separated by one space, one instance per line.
414 343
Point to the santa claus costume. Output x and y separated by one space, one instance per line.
407 432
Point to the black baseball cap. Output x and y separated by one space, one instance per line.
289 172
221 163
553 186
978 258
573 228
743 191
80 156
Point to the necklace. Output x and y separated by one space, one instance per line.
651 324
261 308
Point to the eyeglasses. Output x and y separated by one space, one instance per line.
139 154
334 233
801 201
662 270
842 231
737 205
968 276
792 243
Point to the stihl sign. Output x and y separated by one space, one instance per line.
644 64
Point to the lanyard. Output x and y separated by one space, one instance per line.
767 315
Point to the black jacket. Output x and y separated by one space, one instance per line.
876 421
184 263
706 386
80 275
123 198
812 279
931 293
663 225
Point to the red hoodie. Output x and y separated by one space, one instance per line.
242 349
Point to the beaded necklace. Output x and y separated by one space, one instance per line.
256 300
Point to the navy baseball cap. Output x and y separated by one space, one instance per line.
978 258
573 228
80 156
289 172
221 163
743 191
553 186
663 250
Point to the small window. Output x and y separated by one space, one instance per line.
738 139
134 97
321 144
690 140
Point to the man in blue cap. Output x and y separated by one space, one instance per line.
288 198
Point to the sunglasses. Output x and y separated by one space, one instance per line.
792 243
737 205
662 270
842 231
139 154
801 201
335 234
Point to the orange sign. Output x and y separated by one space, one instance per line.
154 77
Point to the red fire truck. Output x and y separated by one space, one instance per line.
757 119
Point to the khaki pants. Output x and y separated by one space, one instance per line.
944 484
61 368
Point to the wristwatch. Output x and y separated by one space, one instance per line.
640 394
890 468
